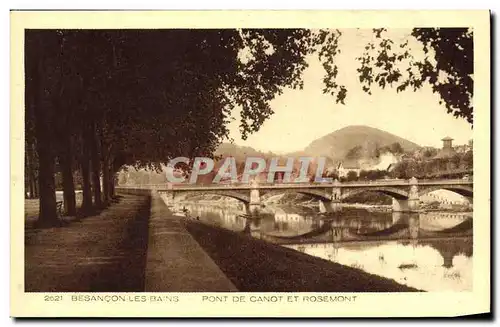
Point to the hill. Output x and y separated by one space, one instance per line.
240 153
363 139
351 142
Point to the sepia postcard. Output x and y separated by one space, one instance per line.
250 163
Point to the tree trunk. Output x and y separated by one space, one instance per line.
65 160
44 137
32 187
112 185
27 181
46 181
30 170
106 174
85 171
86 185
96 171
106 183
31 176
35 187
27 174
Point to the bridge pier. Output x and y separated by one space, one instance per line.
396 216
337 234
410 205
470 199
336 190
399 205
168 198
329 206
252 208
414 225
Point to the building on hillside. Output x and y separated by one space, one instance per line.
463 148
385 160
343 168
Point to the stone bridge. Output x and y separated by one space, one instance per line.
405 193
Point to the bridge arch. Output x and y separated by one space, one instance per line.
245 198
318 194
393 192
464 190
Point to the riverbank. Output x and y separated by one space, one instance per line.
254 265
101 253
388 208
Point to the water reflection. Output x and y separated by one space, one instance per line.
429 251
434 265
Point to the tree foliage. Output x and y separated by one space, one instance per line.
448 66
372 174
352 176
354 153
434 167
100 99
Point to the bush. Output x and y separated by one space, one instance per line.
352 176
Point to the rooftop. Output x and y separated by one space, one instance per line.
350 164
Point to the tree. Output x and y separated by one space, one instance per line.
354 153
430 152
30 166
447 65
352 176
40 76
363 174
455 161
396 148
333 175
468 160
101 99
401 170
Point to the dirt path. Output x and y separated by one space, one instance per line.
102 253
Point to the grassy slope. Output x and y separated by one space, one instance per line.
258 266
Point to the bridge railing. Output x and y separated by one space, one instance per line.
377 182
445 181
142 186
185 186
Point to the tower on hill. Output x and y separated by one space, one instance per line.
447 150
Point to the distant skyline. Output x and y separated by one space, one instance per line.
301 116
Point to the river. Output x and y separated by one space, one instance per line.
430 251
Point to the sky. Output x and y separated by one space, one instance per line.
301 116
